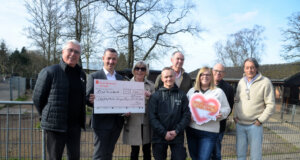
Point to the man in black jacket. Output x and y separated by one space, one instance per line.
219 73
59 97
107 127
169 115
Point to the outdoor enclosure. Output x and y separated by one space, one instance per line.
22 138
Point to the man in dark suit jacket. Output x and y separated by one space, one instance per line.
107 127
219 73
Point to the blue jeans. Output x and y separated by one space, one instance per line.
252 135
200 143
216 153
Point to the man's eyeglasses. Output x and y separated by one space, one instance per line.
70 50
140 68
218 71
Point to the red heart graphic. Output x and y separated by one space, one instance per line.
203 109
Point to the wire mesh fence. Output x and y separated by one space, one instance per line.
22 138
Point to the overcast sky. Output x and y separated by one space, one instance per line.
219 17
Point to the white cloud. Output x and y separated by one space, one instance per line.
244 17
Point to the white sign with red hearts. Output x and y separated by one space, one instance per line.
203 109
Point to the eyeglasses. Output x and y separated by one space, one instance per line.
70 50
205 75
218 71
140 68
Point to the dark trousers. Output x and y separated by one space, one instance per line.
178 151
56 142
104 142
146 152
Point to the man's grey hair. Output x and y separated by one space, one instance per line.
253 60
173 54
73 41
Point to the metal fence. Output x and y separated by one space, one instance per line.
22 138
12 88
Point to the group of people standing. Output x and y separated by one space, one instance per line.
62 92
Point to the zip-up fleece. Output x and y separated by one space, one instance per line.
168 110
258 102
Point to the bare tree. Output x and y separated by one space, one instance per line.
91 35
46 26
82 25
291 36
140 40
241 45
4 58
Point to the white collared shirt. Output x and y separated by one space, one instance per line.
249 83
109 76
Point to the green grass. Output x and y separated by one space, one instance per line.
22 98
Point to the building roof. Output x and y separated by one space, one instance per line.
275 72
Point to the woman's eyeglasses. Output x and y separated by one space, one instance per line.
205 75
141 69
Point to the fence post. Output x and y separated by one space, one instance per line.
18 86
282 110
43 143
293 112
7 132
31 135
20 112
10 88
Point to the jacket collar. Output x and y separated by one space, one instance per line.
64 66
257 77
146 81
181 72
174 88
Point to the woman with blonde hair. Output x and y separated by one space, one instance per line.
137 128
201 138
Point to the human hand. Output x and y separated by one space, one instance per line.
219 116
127 114
147 93
168 136
173 134
92 98
257 123
235 119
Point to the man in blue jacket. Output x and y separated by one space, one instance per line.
59 97
169 115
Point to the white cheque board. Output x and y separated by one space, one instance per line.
118 96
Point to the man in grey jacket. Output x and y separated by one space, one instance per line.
59 97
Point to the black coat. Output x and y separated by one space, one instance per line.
51 97
102 121
228 90
168 110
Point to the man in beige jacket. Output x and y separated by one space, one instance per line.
254 104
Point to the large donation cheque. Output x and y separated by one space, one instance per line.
118 97
204 109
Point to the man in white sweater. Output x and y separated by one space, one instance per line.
254 104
